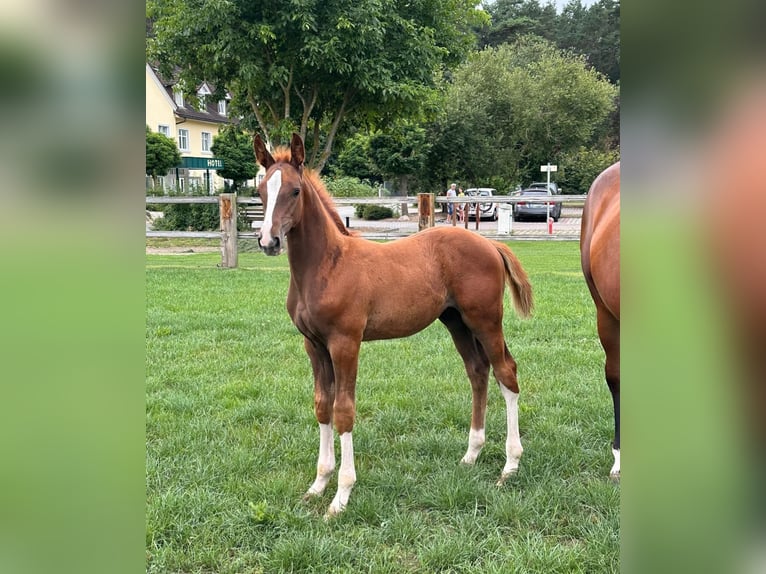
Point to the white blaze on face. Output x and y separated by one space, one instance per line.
273 184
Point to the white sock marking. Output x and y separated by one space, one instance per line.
326 460
616 467
272 190
346 476
513 447
475 444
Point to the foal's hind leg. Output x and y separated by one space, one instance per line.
477 369
504 368
324 396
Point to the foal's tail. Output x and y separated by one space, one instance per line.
516 277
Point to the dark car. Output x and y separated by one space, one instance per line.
486 210
535 205
543 185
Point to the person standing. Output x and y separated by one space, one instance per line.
451 192
461 206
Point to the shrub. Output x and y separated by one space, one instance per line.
373 212
345 186
189 217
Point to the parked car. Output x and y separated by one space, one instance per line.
486 210
543 185
535 206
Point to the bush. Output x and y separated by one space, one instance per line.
373 212
189 217
345 186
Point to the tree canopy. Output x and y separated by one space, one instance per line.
161 154
235 148
514 108
306 65
593 31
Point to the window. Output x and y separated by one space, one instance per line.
164 130
202 104
179 98
206 141
183 140
222 107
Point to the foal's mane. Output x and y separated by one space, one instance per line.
312 179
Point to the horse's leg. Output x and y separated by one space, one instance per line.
477 369
345 360
609 333
504 369
323 404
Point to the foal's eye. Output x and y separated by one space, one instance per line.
296 191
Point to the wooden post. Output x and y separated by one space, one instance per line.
425 211
227 203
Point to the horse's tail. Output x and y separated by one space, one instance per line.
516 277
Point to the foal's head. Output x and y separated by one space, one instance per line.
280 193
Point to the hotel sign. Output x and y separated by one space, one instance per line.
202 163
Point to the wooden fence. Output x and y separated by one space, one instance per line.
251 208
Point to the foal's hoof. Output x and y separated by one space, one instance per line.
333 512
615 476
505 476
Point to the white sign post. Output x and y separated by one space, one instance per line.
549 168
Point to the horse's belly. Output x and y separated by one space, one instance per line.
402 323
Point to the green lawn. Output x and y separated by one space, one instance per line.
232 440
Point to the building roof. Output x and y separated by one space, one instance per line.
189 110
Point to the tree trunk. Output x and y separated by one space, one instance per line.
403 187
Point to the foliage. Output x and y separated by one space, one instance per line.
235 148
344 186
354 159
161 154
399 152
579 168
229 390
189 217
373 212
511 19
593 31
305 66
514 108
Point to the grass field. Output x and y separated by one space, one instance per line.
232 440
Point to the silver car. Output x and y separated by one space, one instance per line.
486 210
535 206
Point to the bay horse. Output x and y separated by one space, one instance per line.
600 258
345 290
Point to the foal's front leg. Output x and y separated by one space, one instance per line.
324 396
345 360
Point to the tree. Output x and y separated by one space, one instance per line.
593 32
516 107
399 153
354 159
579 168
161 154
307 66
235 148
511 19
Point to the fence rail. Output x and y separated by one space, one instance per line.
228 233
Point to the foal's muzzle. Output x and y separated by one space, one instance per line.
274 247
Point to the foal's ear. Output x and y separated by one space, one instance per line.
262 155
297 153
